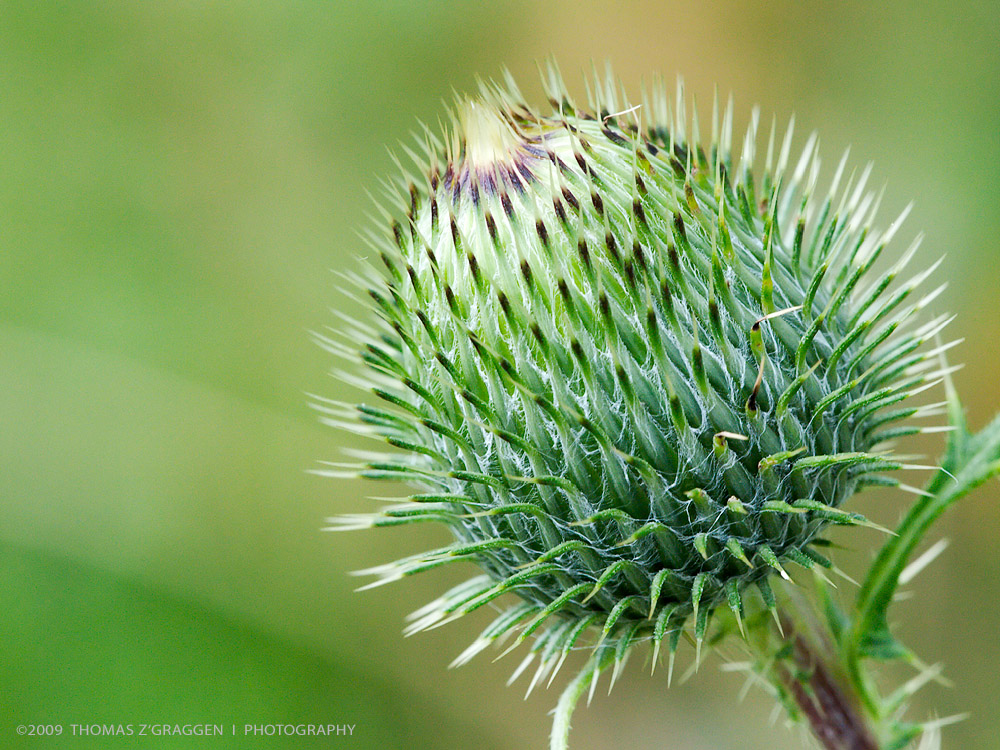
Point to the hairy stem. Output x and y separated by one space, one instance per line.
824 697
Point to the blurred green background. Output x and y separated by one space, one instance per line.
177 179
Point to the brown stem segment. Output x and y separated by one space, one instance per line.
824 700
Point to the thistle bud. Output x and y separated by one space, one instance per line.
635 377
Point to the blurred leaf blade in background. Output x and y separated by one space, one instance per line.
155 659
176 181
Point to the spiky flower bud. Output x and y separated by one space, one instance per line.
633 377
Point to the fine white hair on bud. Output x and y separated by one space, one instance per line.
636 377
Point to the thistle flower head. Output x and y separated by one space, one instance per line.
635 377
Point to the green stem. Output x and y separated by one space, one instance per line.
969 462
